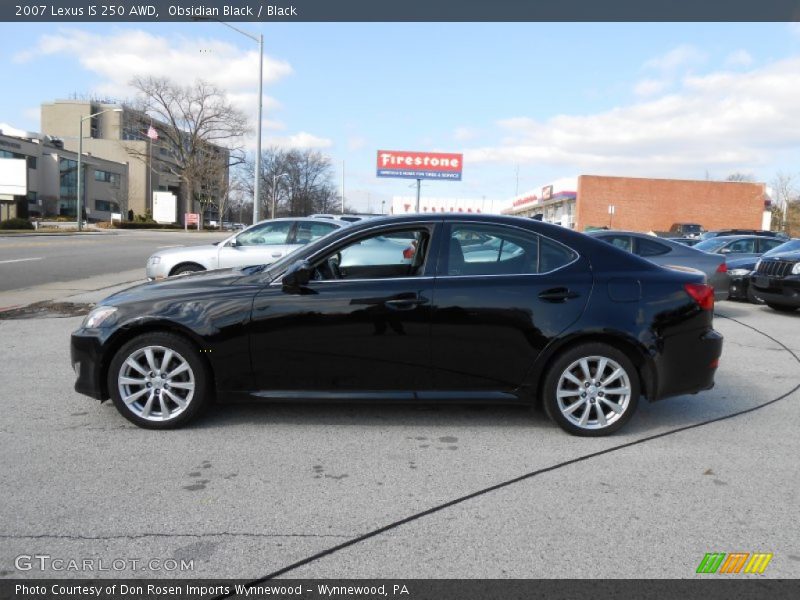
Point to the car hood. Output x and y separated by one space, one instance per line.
742 263
793 255
193 284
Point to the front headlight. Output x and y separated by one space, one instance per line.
738 272
98 316
796 269
154 260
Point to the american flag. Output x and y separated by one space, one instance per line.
152 133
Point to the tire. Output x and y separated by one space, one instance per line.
752 298
187 268
182 396
782 307
566 375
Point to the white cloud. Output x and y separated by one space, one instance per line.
650 87
463 134
681 56
739 58
119 55
723 120
794 28
299 140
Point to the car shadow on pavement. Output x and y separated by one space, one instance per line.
372 415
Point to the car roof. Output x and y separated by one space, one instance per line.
730 238
302 219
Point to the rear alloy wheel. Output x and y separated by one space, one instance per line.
158 381
591 390
782 307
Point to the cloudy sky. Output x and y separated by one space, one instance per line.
544 100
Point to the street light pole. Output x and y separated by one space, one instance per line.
79 199
260 41
274 190
257 185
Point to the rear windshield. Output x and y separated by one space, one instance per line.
711 245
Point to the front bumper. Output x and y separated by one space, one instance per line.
157 271
86 356
784 291
739 286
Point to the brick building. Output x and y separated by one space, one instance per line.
641 204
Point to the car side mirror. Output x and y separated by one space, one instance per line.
298 275
233 243
725 251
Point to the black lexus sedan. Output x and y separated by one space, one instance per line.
411 308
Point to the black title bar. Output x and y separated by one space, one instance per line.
399 10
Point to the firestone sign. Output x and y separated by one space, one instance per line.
419 165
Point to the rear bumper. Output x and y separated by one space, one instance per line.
688 363
85 353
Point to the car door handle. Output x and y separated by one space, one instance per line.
405 301
277 254
559 294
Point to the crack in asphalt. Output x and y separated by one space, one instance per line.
509 482
136 536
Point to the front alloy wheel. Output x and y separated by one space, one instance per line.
157 381
592 390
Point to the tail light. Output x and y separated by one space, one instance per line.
701 293
722 268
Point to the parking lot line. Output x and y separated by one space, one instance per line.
16 260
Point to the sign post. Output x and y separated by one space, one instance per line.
191 219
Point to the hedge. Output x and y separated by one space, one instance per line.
16 223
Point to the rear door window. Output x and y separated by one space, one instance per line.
623 242
483 249
645 247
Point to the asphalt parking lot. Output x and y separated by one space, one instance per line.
250 490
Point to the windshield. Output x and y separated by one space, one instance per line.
711 245
790 246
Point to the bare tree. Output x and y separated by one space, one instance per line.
300 182
200 131
784 191
738 176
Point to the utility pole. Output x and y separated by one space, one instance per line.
342 187
419 185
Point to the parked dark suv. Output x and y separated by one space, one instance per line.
776 279
689 230
762 232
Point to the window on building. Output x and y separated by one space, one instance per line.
106 205
107 177
32 162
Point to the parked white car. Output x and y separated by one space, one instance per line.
259 244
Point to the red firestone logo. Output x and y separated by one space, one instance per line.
425 161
